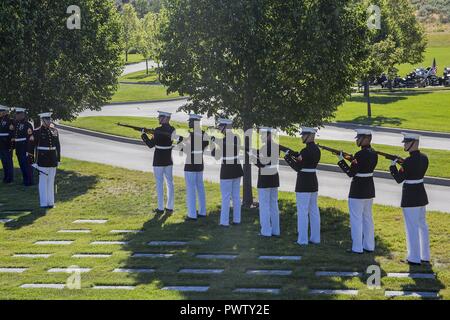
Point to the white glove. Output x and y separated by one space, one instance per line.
394 162
143 131
59 163
34 165
341 156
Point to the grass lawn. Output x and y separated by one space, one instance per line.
439 48
439 160
130 92
125 198
141 77
409 110
133 58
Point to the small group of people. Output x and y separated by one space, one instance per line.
361 169
37 149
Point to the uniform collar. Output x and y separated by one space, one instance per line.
414 152
366 147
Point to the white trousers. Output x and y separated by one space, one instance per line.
417 237
167 173
231 190
308 213
361 221
269 214
47 187
194 188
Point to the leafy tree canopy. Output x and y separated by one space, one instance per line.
45 66
265 62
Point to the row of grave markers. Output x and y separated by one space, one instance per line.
194 271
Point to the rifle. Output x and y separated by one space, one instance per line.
146 130
291 152
347 156
390 157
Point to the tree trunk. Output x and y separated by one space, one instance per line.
126 55
247 183
146 65
159 74
367 95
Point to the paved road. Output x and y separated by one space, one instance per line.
329 132
138 67
136 157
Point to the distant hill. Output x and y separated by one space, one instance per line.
433 11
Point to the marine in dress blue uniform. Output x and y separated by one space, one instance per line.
362 193
162 161
227 150
414 199
23 130
267 161
45 149
6 146
194 147
307 188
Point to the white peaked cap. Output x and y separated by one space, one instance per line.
195 117
164 114
308 130
45 115
363 132
20 110
3 108
410 136
225 121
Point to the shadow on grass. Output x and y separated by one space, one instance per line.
377 121
17 198
206 237
386 97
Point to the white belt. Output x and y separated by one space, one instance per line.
197 152
164 148
20 140
364 175
309 170
414 181
272 167
230 158
4 134
46 148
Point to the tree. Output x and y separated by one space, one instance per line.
142 7
44 65
148 38
400 40
276 63
130 22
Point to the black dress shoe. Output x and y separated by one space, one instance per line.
189 219
425 262
201 216
157 211
314 243
170 211
352 252
235 223
369 251
411 263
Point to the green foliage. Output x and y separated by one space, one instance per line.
432 10
130 25
400 40
264 62
45 66
148 40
